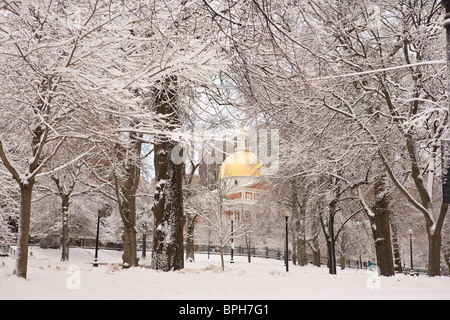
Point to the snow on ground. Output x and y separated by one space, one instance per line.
263 279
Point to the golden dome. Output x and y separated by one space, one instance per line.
241 163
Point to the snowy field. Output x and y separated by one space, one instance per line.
263 279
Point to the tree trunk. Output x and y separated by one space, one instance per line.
190 245
65 227
434 231
168 206
128 213
64 194
301 241
127 201
129 257
249 249
329 254
168 213
301 250
299 256
314 243
26 184
144 245
434 254
294 249
328 231
221 258
316 258
382 231
343 261
26 192
331 239
397 259
302 259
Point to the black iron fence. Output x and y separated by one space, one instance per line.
269 253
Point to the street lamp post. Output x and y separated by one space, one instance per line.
287 214
331 208
333 254
232 241
96 240
411 250
103 212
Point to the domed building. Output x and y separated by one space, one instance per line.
240 168
241 177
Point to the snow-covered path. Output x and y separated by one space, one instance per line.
263 279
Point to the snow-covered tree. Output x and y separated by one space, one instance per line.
66 68
38 100
66 184
401 111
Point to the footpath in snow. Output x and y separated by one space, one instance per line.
263 279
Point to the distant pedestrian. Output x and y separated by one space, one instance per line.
370 265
